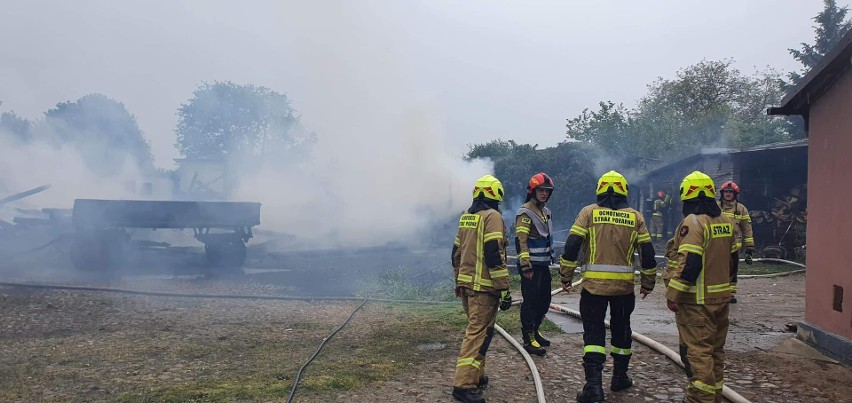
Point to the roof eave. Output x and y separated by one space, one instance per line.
818 80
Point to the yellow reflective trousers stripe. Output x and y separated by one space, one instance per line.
711 389
594 349
468 361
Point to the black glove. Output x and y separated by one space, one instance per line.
505 300
748 259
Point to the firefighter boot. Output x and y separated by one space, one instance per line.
593 389
540 339
467 396
620 379
483 382
532 345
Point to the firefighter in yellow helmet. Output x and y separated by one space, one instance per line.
609 231
698 286
657 220
736 211
534 243
482 282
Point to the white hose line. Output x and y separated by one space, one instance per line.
770 259
539 388
772 275
727 392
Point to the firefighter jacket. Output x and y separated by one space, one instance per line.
479 254
742 220
533 236
609 238
701 273
659 205
671 254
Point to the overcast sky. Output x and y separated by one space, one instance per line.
479 69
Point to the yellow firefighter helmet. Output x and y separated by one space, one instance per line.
488 187
695 184
613 181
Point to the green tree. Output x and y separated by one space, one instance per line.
227 121
102 130
570 165
612 128
492 149
18 128
708 104
831 25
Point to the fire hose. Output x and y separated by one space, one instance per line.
727 392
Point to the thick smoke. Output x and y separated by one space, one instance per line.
396 184
381 170
27 165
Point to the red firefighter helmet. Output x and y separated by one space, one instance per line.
539 180
730 185
661 194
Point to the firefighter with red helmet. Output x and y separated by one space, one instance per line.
534 243
736 211
698 287
657 221
608 231
482 282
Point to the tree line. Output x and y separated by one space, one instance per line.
222 121
708 104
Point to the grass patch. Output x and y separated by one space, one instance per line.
378 344
399 283
765 268
389 348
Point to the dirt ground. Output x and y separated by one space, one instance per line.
61 345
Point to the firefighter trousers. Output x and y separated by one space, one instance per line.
481 311
703 330
657 226
593 311
536 293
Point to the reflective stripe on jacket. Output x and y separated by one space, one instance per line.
738 213
610 238
711 238
533 235
475 230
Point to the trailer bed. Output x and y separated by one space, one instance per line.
91 214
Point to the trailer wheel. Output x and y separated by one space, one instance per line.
226 255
